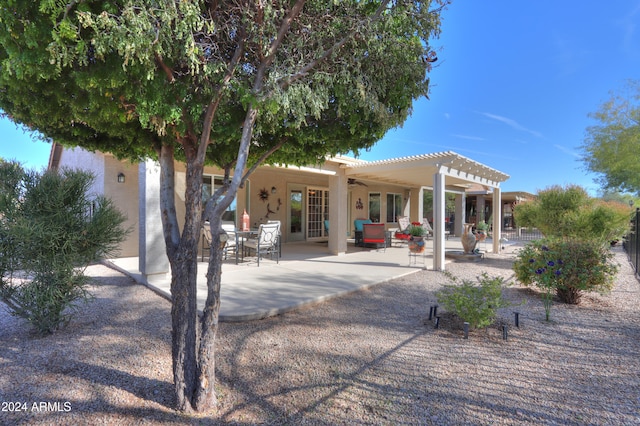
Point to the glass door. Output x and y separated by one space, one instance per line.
317 212
296 214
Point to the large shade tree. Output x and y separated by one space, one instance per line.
229 83
612 145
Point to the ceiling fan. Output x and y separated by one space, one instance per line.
352 182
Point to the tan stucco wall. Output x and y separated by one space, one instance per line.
105 168
126 198
360 194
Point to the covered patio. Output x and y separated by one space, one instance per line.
440 172
306 274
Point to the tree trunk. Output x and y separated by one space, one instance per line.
182 250
205 394
569 295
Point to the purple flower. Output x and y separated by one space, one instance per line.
545 248
532 260
558 272
551 263
540 271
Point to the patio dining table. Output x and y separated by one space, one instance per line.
241 237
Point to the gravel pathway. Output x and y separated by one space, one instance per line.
371 357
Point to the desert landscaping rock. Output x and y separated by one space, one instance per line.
371 357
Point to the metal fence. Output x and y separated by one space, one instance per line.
522 234
632 243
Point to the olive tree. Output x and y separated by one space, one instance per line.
233 83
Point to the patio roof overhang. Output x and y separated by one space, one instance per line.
441 171
419 170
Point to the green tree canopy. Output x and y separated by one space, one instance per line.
611 147
569 212
231 83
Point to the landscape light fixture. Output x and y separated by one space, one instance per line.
120 177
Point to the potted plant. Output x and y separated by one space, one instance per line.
416 239
482 230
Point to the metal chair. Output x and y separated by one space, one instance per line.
231 243
267 241
374 233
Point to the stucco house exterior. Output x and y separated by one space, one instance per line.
302 198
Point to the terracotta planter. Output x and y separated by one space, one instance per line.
416 244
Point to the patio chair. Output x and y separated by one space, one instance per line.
374 233
231 243
267 241
402 233
429 230
357 224
279 235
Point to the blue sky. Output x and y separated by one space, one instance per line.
513 87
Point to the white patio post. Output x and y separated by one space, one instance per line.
438 221
151 247
338 192
497 219
460 214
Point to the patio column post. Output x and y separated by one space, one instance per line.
415 204
497 219
338 194
438 220
460 214
151 247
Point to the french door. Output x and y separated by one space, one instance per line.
317 213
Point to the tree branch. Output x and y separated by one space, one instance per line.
327 53
168 71
213 105
262 158
275 44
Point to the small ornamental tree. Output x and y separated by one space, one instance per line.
50 230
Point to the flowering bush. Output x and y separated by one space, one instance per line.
566 268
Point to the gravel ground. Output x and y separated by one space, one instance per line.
371 357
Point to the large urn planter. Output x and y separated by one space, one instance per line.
416 245
468 238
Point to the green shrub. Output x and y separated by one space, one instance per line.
569 212
566 267
476 304
50 230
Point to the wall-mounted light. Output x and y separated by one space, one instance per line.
273 189
121 177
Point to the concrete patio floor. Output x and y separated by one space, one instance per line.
306 274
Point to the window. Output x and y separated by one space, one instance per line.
374 206
209 185
394 207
